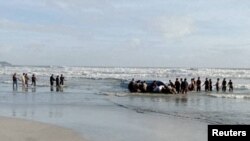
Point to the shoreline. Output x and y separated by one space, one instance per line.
13 129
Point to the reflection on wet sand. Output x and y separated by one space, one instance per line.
31 112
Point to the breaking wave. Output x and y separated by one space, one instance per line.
241 77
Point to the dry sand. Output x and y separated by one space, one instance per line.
23 130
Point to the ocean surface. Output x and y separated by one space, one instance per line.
96 103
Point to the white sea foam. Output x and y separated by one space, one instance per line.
241 77
235 96
127 73
113 94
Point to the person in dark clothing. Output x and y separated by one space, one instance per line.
177 85
61 79
131 85
198 83
210 85
224 85
182 85
33 80
185 86
206 83
217 85
14 78
230 84
52 79
57 81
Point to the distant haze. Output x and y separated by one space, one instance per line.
150 33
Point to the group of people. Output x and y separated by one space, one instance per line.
209 85
24 79
155 86
59 80
179 86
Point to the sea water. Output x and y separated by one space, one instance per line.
96 103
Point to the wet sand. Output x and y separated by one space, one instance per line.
23 130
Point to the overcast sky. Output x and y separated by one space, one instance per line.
164 33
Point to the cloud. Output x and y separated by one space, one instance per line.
6 24
80 5
97 29
174 27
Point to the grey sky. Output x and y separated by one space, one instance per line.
165 33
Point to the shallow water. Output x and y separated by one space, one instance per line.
96 116
101 109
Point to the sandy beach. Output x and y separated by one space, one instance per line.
23 130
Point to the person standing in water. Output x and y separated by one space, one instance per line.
131 85
27 80
185 86
191 87
217 85
182 86
177 85
57 81
230 84
206 83
14 78
62 80
210 85
198 84
224 85
195 85
33 80
52 79
23 80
